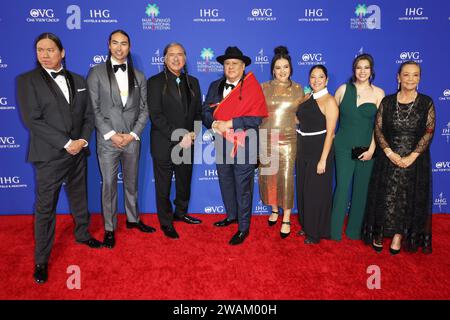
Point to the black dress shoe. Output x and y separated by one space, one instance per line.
225 222
301 233
310 241
238 237
40 273
170 232
109 241
92 243
140 226
188 219
273 222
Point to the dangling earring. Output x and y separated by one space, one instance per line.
417 88
398 86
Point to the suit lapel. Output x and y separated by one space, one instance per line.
62 106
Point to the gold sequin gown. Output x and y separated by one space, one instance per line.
282 101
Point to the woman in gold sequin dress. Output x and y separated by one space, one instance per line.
279 140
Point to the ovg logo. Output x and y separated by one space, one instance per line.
367 17
153 22
409 56
442 166
445 95
309 59
440 201
42 16
261 59
157 60
214 209
97 59
261 15
8 143
206 64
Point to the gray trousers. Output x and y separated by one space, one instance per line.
109 159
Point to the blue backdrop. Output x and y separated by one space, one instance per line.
315 31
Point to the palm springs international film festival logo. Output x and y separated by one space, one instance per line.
440 201
154 23
207 62
261 59
42 16
367 18
445 95
157 60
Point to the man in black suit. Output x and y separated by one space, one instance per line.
55 108
236 175
118 94
174 102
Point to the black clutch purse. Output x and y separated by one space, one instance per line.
357 151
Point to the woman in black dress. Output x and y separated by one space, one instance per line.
399 198
317 121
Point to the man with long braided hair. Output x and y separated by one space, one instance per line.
174 102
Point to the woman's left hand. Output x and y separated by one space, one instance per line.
321 166
408 160
366 156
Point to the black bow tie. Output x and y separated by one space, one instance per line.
59 73
122 66
229 85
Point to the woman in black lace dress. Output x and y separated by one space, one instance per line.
400 199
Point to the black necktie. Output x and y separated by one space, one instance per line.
59 73
122 66
229 85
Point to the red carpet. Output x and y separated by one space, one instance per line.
201 264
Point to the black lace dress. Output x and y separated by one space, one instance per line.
399 200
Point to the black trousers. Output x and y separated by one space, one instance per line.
50 176
164 171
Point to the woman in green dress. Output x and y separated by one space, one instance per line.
354 144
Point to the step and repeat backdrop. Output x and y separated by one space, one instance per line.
326 32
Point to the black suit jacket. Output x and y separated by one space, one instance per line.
167 113
51 121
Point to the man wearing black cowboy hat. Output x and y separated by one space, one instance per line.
232 109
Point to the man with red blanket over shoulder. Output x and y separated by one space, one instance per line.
233 109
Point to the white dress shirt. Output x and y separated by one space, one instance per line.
122 81
62 84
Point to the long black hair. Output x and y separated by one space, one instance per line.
369 58
185 70
45 75
130 67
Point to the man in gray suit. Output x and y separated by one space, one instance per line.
118 94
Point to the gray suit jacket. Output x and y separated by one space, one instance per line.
110 114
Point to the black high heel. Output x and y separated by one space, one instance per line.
272 223
285 235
